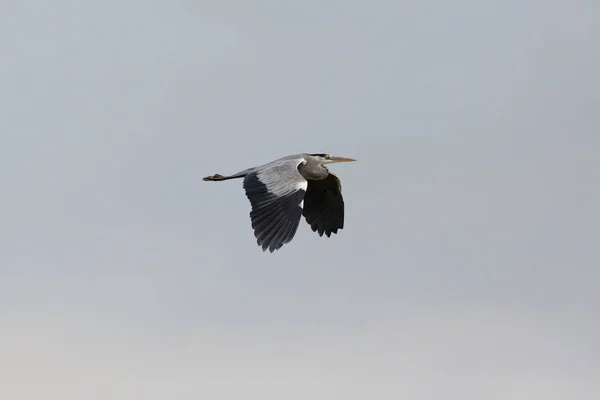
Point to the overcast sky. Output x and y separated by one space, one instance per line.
468 267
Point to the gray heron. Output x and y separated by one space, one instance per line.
284 190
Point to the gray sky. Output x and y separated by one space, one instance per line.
468 265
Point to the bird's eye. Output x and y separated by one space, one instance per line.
328 156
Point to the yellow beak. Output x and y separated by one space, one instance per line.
342 159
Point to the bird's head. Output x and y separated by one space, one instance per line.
329 159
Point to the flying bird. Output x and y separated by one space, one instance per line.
284 190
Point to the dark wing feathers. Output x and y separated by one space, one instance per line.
324 205
275 217
280 196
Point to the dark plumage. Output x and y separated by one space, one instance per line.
275 219
324 205
283 191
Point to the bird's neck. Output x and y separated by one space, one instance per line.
314 173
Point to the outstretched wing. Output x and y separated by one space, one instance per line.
324 205
275 191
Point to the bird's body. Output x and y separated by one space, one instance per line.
284 190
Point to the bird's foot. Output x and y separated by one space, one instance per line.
215 177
